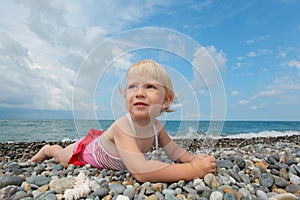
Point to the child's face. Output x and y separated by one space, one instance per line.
145 96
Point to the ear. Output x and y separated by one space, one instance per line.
167 101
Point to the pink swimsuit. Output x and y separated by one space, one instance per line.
89 150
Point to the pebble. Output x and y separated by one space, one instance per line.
266 179
247 169
62 184
216 195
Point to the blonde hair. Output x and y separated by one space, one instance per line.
159 73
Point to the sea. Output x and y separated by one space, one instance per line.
71 130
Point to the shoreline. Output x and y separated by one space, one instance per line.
14 149
248 168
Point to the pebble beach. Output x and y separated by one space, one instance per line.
253 168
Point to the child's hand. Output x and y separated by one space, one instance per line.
201 156
204 165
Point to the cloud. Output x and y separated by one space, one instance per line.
25 84
234 92
263 93
292 63
44 44
257 39
243 102
209 61
259 52
256 107
266 93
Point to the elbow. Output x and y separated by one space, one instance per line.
141 177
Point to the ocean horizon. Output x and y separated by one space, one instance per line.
70 130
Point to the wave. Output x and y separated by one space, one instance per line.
263 134
195 135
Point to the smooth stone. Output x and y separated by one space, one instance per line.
129 191
159 195
62 184
57 167
198 182
244 192
211 181
43 195
122 197
235 175
51 197
192 196
275 156
281 182
119 188
189 190
256 172
25 164
266 179
244 177
229 196
216 195
225 180
8 191
101 192
283 173
42 180
94 185
170 196
10 180
285 196
224 163
272 160
20 195
262 195
294 179
169 191
292 188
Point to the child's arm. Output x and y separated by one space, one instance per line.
149 170
173 150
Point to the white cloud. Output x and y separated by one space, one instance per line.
43 43
244 102
257 39
265 93
259 52
234 92
209 62
292 63
256 107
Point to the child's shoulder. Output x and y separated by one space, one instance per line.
122 124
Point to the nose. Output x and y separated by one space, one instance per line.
140 92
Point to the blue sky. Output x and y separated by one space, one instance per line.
254 45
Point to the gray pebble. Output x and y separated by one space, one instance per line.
101 192
169 191
129 191
292 188
119 188
10 180
266 179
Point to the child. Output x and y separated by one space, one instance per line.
148 93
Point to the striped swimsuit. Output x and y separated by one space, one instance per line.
94 153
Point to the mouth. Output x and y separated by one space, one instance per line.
140 104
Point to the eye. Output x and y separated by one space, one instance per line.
150 86
132 87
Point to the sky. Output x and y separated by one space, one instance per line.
229 60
